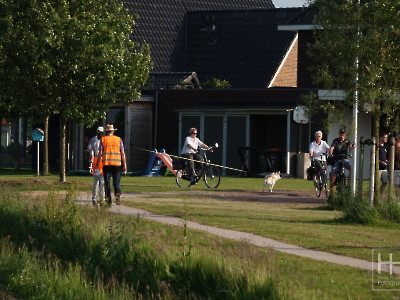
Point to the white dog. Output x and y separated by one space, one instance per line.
270 180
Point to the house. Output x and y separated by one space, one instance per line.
237 43
245 48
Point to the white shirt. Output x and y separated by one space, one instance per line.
195 143
317 150
93 146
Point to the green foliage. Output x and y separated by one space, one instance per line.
216 83
69 58
359 52
358 210
389 210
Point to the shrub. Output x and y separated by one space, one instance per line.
389 210
354 209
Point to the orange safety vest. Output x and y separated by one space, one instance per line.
111 150
100 166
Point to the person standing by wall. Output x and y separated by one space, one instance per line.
397 164
112 155
383 161
97 172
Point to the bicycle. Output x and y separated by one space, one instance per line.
210 174
341 180
322 181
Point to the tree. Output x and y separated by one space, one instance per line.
82 60
23 70
359 51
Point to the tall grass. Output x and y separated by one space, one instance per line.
356 209
53 249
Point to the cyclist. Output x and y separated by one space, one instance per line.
339 148
317 151
190 151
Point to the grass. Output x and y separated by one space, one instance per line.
103 256
311 227
62 251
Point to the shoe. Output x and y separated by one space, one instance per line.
108 202
117 199
94 202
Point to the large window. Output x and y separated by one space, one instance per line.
7 142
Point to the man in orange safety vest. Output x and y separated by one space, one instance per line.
112 155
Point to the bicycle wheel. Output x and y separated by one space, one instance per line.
182 179
341 181
318 186
325 184
212 177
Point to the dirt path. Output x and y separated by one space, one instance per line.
280 197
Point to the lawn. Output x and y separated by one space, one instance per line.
308 225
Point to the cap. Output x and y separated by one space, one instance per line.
342 131
100 129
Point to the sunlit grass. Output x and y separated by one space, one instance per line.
61 251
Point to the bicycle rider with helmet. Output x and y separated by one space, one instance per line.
339 148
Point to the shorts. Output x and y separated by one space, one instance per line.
336 167
396 177
384 176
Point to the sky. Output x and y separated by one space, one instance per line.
289 3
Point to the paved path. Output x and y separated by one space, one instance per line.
250 238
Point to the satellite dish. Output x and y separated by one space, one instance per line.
300 114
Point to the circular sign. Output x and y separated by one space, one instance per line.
300 114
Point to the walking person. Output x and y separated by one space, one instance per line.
112 155
397 164
383 161
96 168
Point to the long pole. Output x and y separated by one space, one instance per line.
355 118
372 174
38 158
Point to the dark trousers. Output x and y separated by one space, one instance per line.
193 164
318 166
115 173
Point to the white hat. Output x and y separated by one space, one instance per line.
100 129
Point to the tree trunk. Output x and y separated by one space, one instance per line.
16 144
62 149
46 147
377 179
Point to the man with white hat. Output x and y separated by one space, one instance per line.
112 155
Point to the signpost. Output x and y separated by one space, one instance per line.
301 116
38 136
